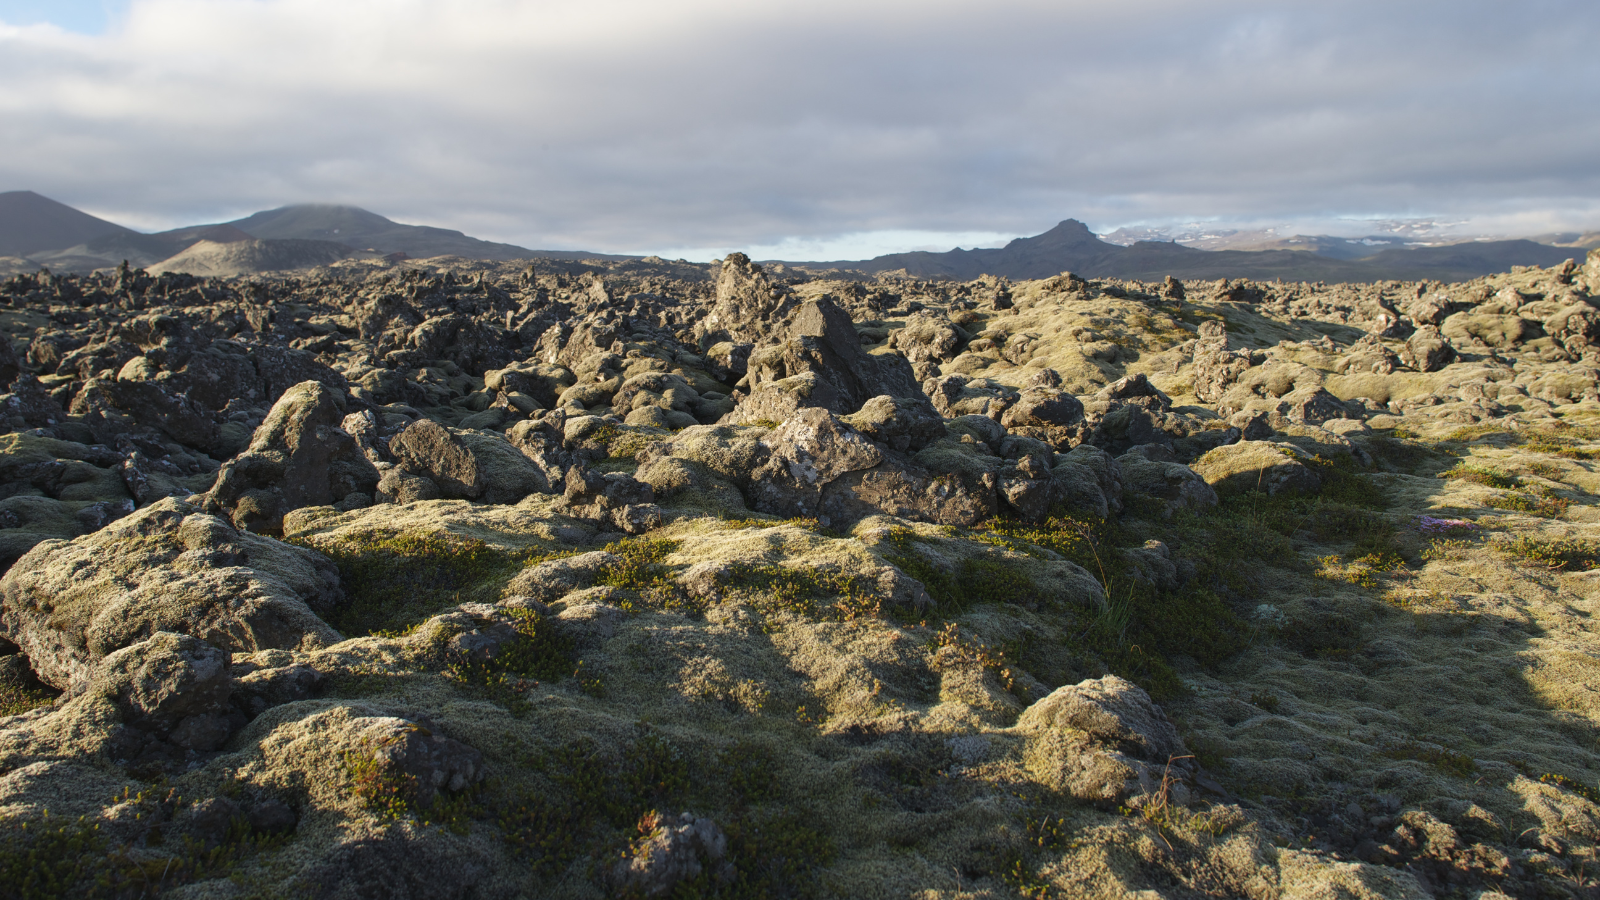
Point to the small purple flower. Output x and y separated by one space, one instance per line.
1433 525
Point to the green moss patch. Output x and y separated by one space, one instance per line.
394 580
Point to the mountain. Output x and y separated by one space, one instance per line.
1588 240
1072 247
362 230
248 257
37 231
30 223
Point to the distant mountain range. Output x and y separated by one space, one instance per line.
1071 246
36 231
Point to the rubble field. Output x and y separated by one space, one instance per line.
451 579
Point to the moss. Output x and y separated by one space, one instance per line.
541 651
20 691
594 799
973 581
55 857
1142 628
1450 762
396 579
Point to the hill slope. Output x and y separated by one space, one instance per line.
360 229
30 223
252 257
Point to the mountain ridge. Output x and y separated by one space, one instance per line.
39 232
1071 246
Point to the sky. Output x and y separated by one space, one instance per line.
828 129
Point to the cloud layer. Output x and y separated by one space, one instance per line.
627 125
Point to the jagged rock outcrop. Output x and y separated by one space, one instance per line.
300 456
822 350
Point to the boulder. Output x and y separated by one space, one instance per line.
1216 368
672 849
1313 406
264 682
904 424
168 567
467 464
1369 355
299 456
748 306
543 384
165 681
400 486
433 762
1427 350
1177 485
613 498
1134 390
1041 406
959 395
1575 327
805 454
1103 741
1107 473
1501 332
1272 468
1080 492
926 337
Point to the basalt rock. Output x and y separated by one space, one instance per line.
170 568
300 456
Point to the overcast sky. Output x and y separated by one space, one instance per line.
822 129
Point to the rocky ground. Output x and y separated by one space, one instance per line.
445 579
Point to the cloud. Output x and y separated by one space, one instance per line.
625 125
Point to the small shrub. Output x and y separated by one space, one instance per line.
392 795
20 691
388 794
974 581
1447 761
52 857
1577 787
1543 504
549 835
1362 571
809 593
952 649
1266 701
1571 554
1480 475
1445 549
